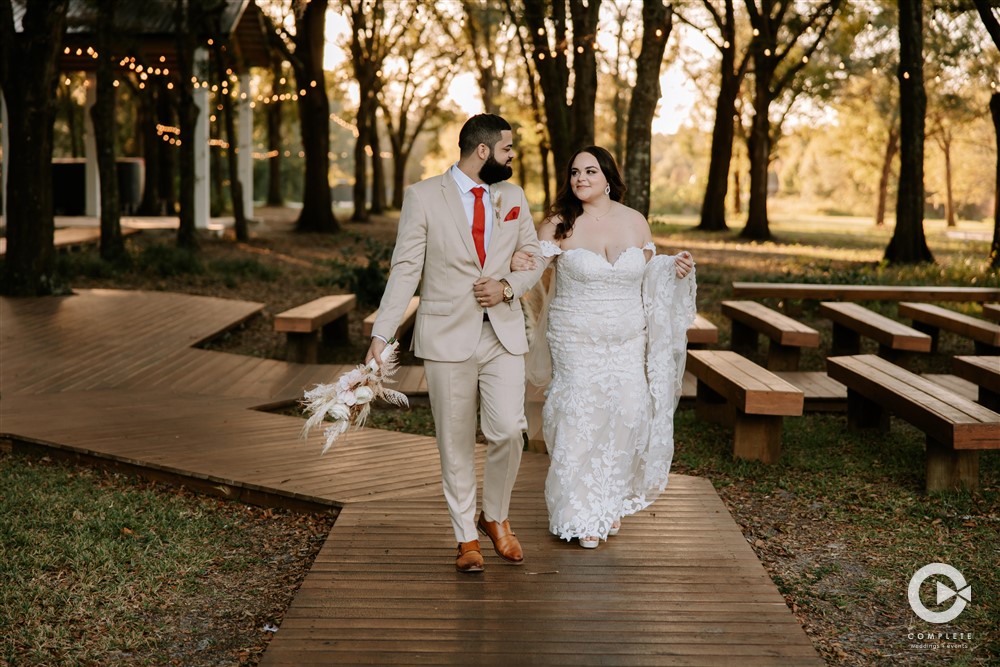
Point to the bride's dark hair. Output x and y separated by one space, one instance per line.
566 204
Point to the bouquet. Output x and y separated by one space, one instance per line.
348 400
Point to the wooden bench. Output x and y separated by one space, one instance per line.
405 325
303 324
932 319
787 336
733 390
991 311
956 428
851 321
702 332
984 372
752 290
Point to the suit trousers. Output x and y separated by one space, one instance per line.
495 378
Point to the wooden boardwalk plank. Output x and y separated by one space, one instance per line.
679 586
384 590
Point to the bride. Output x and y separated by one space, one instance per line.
616 332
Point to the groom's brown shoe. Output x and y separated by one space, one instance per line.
470 558
505 542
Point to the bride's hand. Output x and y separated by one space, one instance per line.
522 261
684 263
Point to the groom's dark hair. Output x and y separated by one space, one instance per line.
485 128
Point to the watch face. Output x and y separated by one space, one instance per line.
508 292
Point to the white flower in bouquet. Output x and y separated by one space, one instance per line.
339 412
347 401
364 395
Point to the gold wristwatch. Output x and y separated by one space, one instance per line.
508 291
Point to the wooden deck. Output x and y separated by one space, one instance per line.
112 376
678 586
72 238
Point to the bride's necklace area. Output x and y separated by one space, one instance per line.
597 218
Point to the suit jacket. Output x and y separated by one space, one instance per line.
435 252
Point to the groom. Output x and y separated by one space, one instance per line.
457 234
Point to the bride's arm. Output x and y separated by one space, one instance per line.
683 261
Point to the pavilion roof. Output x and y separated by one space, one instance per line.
146 30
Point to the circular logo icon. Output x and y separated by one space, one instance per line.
960 590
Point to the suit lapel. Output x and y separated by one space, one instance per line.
497 224
453 200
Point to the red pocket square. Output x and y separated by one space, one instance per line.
513 214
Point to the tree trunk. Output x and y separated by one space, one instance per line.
314 118
553 74
949 203
618 109
187 116
378 173
275 195
217 176
536 111
149 150
891 147
105 136
399 160
240 225
995 247
759 147
908 245
74 128
585 19
993 28
713 207
737 193
28 75
168 157
657 22
361 147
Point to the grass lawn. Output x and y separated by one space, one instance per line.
100 568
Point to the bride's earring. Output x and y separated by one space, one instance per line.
607 190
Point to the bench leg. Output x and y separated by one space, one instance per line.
757 437
302 347
336 331
711 406
989 399
743 339
863 413
845 341
949 469
783 357
901 358
930 330
985 349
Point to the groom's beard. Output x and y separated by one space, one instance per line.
494 172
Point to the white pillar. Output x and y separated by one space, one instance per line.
202 192
244 153
4 157
92 187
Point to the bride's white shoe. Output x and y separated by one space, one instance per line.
589 542
615 527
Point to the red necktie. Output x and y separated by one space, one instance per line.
479 224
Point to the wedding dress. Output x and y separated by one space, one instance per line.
616 331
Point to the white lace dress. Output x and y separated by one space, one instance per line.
617 337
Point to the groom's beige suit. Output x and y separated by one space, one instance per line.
466 356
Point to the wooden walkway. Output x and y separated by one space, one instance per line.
111 375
